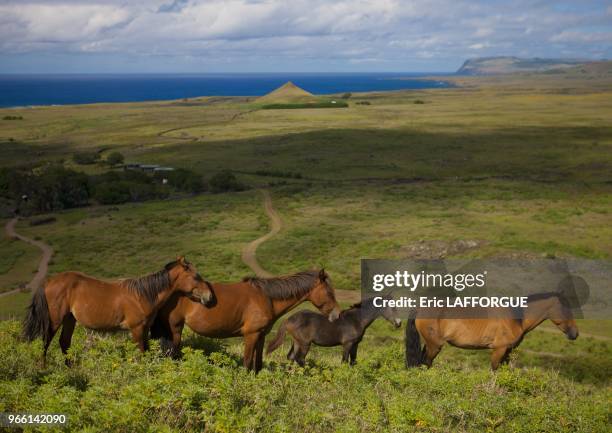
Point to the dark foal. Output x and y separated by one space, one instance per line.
308 327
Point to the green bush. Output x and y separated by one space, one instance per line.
115 158
45 189
111 387
183 180
225 181
86 158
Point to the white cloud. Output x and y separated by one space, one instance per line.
361 30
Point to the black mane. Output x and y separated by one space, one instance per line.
286 287
149 286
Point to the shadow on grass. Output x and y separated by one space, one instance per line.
582 369
210 345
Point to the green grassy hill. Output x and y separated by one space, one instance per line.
516 167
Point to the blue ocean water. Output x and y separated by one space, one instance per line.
24 90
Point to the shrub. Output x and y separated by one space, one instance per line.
347 95
86 158
115 158
225 181
113 192
183 180
419 101
278 173
363 103
12 118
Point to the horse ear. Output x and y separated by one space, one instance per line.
322 275
182 261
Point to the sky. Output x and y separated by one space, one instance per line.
210 36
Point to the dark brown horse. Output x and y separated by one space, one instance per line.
502 334
308 327
72 297
248 308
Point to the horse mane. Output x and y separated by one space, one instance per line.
548 295
149 286
285 287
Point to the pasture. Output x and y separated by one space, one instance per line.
517 168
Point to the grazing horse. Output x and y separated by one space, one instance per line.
248 308
307 327
502 334
71 297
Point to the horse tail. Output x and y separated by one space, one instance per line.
37 322
412 340
278 340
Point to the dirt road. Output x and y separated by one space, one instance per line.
43 265
249 253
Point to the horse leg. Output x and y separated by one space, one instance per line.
66 336
250 341
259 348
431 351
353 354
300 356
499 356
291 354
506 358
346 350
139 336
177 330
47 341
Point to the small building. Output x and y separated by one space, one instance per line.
149 167
163 169
132 166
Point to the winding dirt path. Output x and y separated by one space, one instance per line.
249 253
43 265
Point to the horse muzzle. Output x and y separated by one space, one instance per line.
572 334
397 323
334 314
205 298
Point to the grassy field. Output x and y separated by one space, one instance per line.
518 168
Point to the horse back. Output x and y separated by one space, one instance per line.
95 303
238 308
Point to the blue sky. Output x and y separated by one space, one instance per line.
69 36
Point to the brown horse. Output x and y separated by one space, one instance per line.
248 308
71 297
502 334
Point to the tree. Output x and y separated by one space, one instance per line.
115 158
224 181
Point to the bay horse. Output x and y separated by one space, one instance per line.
308 327
71 297
502 334
248 308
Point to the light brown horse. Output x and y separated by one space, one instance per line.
502 333
72 297
248 308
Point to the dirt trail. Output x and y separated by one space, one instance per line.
43 265
249 252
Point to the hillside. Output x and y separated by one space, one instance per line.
507 65
288 92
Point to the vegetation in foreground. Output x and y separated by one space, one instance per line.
112 387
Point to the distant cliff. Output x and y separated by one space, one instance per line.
507 65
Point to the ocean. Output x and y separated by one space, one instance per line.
61 89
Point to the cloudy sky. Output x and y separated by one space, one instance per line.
293 35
